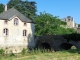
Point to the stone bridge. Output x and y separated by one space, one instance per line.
55 42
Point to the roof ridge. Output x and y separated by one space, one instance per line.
11 12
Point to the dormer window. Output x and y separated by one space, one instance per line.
16 21
25 24
5 22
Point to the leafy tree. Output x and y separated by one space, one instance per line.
78 25
46 24
1 8
25 7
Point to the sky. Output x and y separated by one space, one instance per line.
61 8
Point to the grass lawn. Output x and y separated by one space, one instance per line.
59 55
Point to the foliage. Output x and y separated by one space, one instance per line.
1 51
73 54
1 8
47 24
74 37
25 7
12 54
39 51
23 51
78 25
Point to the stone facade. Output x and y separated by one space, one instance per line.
56 42
70 22
78 30
14 40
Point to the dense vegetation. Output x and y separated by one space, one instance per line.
73 36
46 24
28 8
1 8
78 25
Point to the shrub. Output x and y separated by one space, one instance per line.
12 54
73 36
32 51
1 51
23 51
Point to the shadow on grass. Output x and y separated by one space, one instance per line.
72 51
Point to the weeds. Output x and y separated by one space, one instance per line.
23 51
1 51
43 54
12 54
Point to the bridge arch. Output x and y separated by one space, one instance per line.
65 46
45 46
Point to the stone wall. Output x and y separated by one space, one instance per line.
70 22
78 30
55 41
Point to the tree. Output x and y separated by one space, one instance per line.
1 8
47 24
78 25
25 7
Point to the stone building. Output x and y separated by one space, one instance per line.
78 30
16 31
70 22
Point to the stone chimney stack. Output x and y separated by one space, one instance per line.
5 7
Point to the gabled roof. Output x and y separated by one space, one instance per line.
6 15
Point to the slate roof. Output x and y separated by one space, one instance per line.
6 15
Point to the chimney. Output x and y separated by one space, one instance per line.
5 7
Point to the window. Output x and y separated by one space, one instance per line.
15 21
68 19
24 24
5 22
5 32
24 32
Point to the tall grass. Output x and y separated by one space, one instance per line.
44 54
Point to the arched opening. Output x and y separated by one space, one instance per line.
65 46
45 46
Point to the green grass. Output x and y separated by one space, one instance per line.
72 54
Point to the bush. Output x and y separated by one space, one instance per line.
23 51
1 51
12 54
73 36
